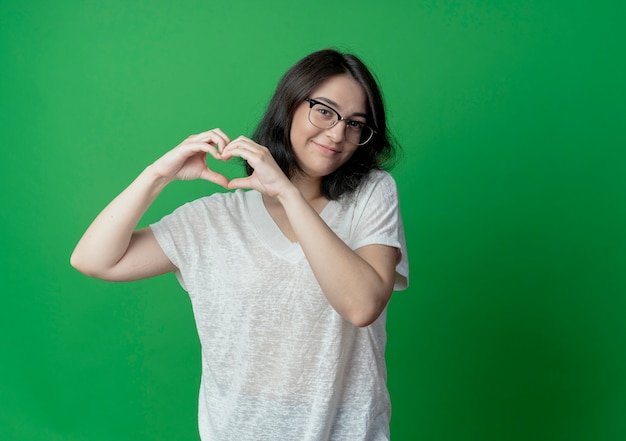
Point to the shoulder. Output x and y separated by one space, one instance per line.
203 218
380 178
377 182
377 191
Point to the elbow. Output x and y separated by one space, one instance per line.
79 265
82 266
76 263
362 322
362 316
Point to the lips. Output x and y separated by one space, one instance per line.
327 149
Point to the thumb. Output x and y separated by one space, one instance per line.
247 182
211 176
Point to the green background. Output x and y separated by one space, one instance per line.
512 184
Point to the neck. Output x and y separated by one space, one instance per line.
310 188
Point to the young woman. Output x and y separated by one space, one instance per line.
289 280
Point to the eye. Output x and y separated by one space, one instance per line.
323 112
356 126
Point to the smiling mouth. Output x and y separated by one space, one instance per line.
327 149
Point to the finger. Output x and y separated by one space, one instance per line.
242 141
214 153
189 149
216 178
243 148
237 151
244 183
219 138
223 136
209 134
215 137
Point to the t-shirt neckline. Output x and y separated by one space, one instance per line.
269 232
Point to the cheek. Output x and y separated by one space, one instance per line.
300 126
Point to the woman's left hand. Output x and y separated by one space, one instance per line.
267 177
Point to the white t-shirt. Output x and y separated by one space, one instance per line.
278 362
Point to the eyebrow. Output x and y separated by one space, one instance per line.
335 105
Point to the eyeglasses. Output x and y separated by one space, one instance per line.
325 117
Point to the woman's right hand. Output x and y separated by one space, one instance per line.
187 161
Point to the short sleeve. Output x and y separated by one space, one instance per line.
180 234
378 221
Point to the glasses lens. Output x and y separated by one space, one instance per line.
322 116
367 134
357 132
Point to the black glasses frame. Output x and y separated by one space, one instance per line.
313 102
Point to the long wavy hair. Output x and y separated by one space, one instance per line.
297 84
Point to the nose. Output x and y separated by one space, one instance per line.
337 132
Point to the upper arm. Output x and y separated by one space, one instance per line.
383 259
144 258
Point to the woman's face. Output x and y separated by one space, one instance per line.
320 152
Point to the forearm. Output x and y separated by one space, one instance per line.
108 237
357 289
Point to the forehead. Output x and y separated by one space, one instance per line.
343 92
